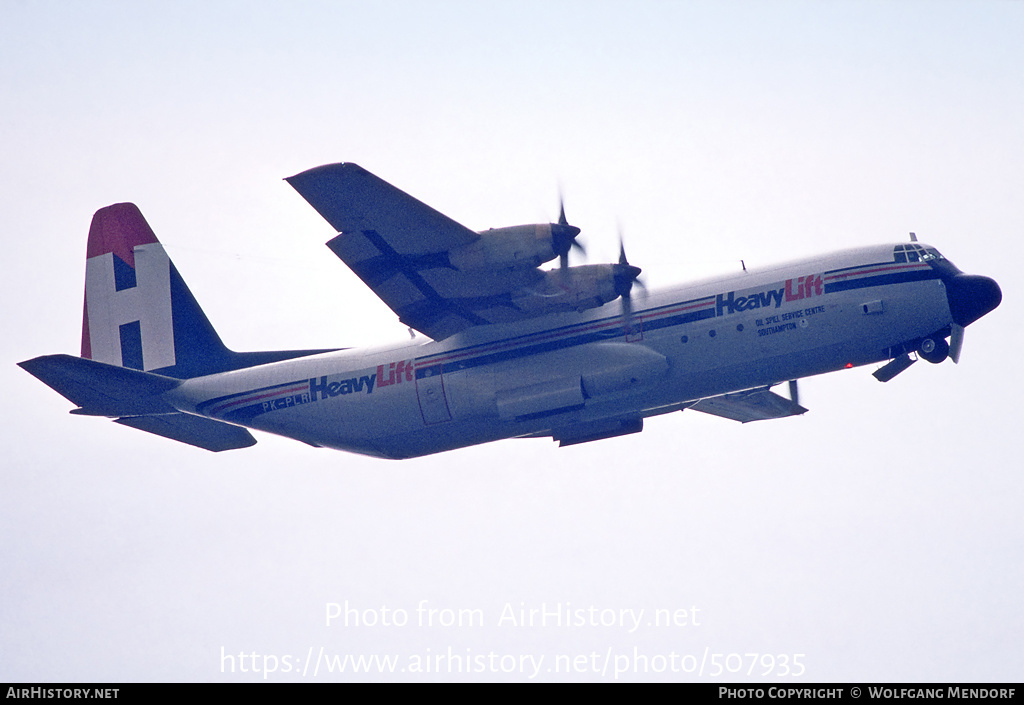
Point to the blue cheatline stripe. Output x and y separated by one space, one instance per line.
570 336
428 371
607 333
651 321
887 267
847 270
881 280
243 413
613 323
242 397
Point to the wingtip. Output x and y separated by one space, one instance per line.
337 167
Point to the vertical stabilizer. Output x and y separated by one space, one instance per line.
142 332
138 311
128 318
140 314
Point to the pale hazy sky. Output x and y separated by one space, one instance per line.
879 535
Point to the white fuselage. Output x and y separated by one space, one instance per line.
577 371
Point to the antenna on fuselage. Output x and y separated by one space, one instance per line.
913 237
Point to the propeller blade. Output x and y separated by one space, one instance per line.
563 236
625 276
956 342
627 314
639 283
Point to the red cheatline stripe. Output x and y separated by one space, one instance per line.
542 337
257 397
877 269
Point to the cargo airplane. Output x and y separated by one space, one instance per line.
511 350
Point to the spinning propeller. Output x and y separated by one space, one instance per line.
625 276
563 237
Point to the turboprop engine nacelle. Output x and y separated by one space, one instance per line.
514 247
571 289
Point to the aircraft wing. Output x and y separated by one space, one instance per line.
399 247
355 201
750 405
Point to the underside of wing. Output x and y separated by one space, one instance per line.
426 291
393 242
750 405
437 275
353 201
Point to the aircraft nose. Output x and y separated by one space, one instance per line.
971 296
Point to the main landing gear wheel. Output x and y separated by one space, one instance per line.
934 350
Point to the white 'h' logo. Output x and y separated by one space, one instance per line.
148 302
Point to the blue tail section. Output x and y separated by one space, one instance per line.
142 333
139 313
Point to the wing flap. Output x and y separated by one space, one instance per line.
751 405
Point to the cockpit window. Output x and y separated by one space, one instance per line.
913 252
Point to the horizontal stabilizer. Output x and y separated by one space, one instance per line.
100 389
751 405
194 430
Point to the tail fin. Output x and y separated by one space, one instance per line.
129 319
143 332
140 314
